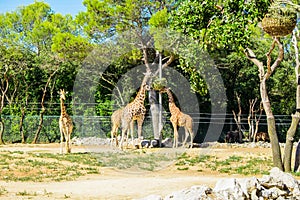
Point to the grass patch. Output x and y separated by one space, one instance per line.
230 165
127 160
38 167
2 191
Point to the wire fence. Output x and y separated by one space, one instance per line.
100 126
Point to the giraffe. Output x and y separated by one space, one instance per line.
116 123
135 111
65 124
179 118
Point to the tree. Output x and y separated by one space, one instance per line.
264 75
109 19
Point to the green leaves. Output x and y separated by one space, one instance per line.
71 47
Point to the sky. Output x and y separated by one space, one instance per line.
59 6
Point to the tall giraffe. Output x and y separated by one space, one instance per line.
179 118
135 111
65 124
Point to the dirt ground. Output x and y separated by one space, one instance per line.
113 183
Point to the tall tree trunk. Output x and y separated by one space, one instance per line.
21 129
289 143
40 126
271 126
1 130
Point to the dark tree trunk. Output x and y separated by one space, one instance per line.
297 157
21 125
1 131
40 126
289 143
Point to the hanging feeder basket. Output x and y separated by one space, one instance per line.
280 20
159 83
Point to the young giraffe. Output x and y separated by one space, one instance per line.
135 111
178 118
65 125
116 123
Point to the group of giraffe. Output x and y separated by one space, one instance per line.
135 110
125 117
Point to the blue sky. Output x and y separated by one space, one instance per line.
59 6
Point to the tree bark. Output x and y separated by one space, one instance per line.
271 126
21 125
40 126
1 131
289 143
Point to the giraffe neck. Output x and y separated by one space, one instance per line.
140 97
62 107
172 106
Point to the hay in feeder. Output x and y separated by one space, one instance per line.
159 83
280 20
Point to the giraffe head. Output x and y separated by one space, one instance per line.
146 87
62 94
164 90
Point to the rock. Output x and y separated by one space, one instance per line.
193 193
168 142
283 178
229 189
248 185
273 193
152 197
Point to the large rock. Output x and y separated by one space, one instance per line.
193 193
229 189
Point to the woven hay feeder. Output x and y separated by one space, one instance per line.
280 20
159 83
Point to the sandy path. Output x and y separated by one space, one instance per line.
116 186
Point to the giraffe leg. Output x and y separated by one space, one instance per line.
140 123
61 140
131 130
192 137
69 142
186 135
175 144
122 139
112 138
124 130
114 135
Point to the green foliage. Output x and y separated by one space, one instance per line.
71 47
223 26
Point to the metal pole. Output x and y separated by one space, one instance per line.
160 101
